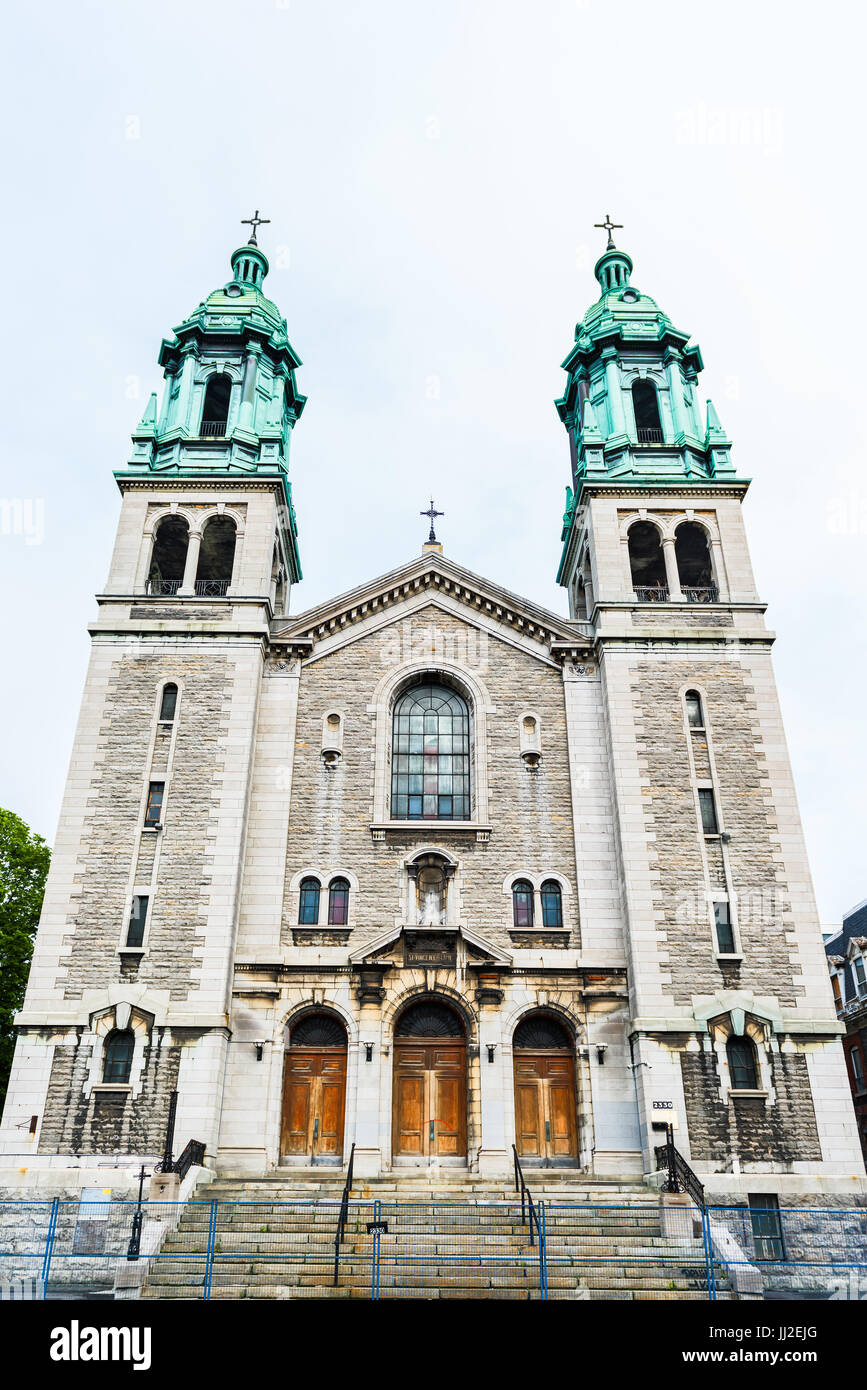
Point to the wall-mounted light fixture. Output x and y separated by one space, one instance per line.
491 1050
368 1052
259 1049
601 1049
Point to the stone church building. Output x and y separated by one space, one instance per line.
428 869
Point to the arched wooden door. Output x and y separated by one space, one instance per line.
314 1091
429 1121
546 1116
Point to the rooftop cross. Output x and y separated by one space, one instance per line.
432 513
255 222
609 226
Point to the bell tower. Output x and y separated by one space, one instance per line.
129 995
714 896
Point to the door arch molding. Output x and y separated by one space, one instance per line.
429 1083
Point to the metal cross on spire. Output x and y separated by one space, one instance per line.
609 226
432 513
255 222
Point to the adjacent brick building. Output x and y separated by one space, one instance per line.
428 869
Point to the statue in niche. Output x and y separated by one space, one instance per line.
431 895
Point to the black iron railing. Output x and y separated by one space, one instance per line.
651 593
650 434
212 588
210 429
528 1206
703 593
680 1177
193 1154
344 1213
163 586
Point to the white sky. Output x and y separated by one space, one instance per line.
433 173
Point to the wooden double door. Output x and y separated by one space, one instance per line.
546 1120
314 1104
430 1100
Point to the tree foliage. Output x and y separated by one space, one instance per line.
24 860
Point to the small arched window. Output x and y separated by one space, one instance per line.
522 902
694 711
430 755
308 902
646 563
552 903
215 410
117 1063
169 556
646 406
168 703
743 1065
216 557
693 563
338 902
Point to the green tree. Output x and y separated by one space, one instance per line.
24 860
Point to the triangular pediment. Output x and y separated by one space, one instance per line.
478 948
433 579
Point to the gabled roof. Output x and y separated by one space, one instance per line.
433 573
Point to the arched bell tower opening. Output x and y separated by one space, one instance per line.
314 1090
430 1085
546 1098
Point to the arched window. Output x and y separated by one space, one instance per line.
552 903
317 1030
693 563
117 1063
430 755
215 410
338 902
429 1018
216 557
646 563
694 711
308 902
168 703
539 1031
522 902
169 556
646 406
743 1068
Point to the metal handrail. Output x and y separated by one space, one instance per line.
651 593
527 1203
344 1214
681 1178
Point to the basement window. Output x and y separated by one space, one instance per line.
767 1226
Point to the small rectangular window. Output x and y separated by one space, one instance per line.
860 980
725 936
153 814
857 1063
708 811
835 985
693 709
767 1226
137 918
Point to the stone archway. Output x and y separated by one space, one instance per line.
429 1091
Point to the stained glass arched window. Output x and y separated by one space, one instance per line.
338 902
741 1054
308 902
430 753
522 902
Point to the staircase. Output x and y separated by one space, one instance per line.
455 1236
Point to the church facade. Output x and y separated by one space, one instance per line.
427 869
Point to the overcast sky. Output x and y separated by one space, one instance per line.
432 174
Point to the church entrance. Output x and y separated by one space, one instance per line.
314 1091
430 1086
546 1115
